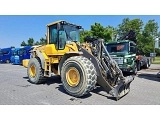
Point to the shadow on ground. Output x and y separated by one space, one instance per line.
57 79
53 79
25 77
147 76
96 91
49 81
61 89
100 89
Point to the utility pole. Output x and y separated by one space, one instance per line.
157 42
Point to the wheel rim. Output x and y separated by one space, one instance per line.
32 71
73 77
7 61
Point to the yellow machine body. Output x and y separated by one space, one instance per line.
25 62
80 66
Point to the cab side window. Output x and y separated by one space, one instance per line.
5 52
21 52
1 53
53 34
62 39
132 48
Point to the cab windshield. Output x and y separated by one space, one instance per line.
1 53
15 53
72 32
66 33
21 51
118 47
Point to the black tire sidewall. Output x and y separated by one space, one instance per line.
79 88
147 65
138 66
7 61
135 69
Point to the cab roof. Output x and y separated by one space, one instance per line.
65 22
58 21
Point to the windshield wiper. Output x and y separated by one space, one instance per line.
68 36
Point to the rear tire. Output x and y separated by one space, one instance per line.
35 71
7 61
86 76
138 66
146 66
135 68
149 62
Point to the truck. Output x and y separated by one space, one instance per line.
24 53
19 54
5 55
127 56
15 57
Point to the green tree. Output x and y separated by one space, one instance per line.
12 47
30 41
110 33
37 43
97 30
124 26
23 43
127 24
157 51
149 33
151 28
84 34
43 41
107 33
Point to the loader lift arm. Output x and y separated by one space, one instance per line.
110 77
131 35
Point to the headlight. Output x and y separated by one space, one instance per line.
125 60
128 66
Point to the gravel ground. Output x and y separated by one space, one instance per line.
16 90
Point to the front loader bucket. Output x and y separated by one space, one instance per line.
122 88
107 69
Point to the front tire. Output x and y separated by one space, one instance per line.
35 71
78 76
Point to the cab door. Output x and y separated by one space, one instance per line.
57 41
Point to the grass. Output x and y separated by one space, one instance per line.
156 60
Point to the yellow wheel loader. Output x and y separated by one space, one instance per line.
80 66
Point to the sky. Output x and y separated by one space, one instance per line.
17 28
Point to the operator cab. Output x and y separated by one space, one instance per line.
61 32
